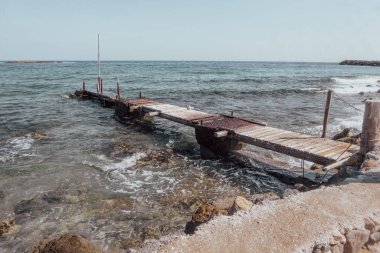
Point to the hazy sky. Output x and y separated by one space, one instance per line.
253 30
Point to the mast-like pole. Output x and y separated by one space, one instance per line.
98 89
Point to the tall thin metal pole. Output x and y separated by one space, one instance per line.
98 89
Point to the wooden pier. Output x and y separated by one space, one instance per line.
220 134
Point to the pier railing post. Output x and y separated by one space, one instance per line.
327 111
370 137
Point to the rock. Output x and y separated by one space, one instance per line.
378 90
343 134
205 213
53 197
241 204
2 195
321 248
316 167
191 227
374 248
224 204
38 136
66 244
377 227
355 240
27 206
370 164
361 93
369 225
337 248
353 161
337 238
6 226
374 237
301 187
288 192
262 197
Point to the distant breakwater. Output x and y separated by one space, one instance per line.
360 63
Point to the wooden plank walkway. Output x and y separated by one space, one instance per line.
319 150
315 149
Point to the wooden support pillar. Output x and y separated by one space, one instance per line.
327 111
370 137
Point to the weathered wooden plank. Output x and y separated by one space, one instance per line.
263 134
286 150
279 135
257 131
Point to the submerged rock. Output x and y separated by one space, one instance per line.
38 135
6 227
66 244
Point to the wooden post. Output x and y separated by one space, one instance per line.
84 86
370 137
327 111
118 90
101 86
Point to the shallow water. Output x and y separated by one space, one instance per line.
121 184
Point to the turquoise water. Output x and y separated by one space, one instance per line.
122 184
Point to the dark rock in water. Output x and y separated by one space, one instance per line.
53 197
66 244
343 134
361 93
2 195
39 135
32 207
378 91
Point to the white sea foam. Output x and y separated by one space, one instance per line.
356 84
18 146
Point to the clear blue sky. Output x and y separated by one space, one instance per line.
266 30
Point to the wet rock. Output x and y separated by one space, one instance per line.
361 93
343 134
301 187
241 204
224 204
337 248
191 227
353 161
374 237
2 195
156 157
321 248
203 214
316 167
26 206
6 226
373 248
38 135
369 225
262 197
288 192
53 197
66 244
355 240
367 164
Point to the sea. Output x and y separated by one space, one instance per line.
123 184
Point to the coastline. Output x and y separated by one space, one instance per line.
294 224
